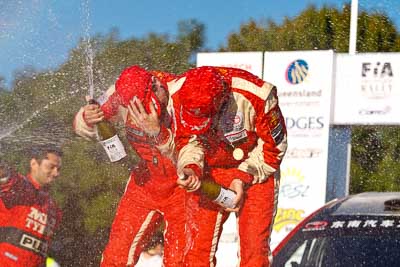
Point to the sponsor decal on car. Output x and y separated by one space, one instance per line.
316 226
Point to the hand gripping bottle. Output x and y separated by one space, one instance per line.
109 139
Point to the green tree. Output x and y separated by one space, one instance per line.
325 28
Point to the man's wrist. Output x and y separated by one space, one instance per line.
154 133
238 180
162 136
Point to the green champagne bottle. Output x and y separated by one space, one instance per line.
216 193
109 139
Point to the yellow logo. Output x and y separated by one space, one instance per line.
292 174
286 217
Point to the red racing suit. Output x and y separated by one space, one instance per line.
28 218
150 193
247 140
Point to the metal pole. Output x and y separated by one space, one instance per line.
347 185
352 51
353 27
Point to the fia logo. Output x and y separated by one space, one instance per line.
297 71
377 70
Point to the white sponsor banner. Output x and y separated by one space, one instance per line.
367 89
304 83
250 61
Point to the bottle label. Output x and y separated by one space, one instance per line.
226 198
114 148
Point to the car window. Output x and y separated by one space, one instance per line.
296 257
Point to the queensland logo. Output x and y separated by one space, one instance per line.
376 80
297 71
287 218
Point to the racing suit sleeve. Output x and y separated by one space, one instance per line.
264 160
190 154
81 128
12 192
5 191
5 185
225 176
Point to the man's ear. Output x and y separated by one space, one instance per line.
33 163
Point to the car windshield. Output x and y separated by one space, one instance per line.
343 251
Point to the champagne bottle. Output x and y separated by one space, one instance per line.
109 139
217 193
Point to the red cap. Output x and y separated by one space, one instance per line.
136 81
200 98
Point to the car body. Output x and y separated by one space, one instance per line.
358 230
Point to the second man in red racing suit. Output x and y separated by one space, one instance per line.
244 137
28 214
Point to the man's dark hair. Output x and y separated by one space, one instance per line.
40 152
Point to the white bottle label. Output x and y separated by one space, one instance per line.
226 198
114 148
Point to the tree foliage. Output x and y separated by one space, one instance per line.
325 28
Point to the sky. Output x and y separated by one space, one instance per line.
40 33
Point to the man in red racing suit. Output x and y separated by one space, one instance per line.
243 136
151 191
28 215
